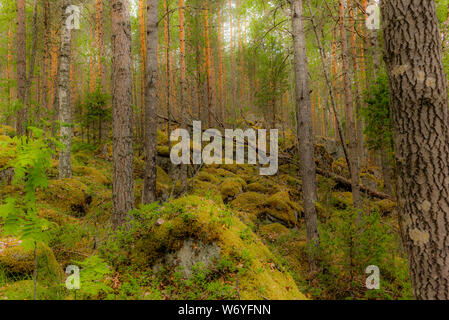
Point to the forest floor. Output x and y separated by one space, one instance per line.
232 234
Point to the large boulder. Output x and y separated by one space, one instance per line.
16 259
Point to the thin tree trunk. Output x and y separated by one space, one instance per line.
122 113
149 190
419 104
183 91
21 67
350 123
305 134
65 110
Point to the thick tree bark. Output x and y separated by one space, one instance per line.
21 67
305 134
122 113
65 110
149 190
419 104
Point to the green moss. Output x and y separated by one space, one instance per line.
68 195
24 290
163 151
272 231
204 222
385 206
91 175
280 208
248 201
257 187
230 188
16 259
163 176
208 177
342 200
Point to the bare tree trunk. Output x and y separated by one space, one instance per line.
122 113
419 104
21 67
32 59
65 110
149 190
305 133
352 136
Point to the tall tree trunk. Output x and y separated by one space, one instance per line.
183 84
143 52
32 58
208 64
21 67
350 123
305 134
419 104
122 113
149 190
65 110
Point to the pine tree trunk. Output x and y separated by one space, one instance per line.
419 104
350 123
305 134
21 67
149 190
122 113
65 110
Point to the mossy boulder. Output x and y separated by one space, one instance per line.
55 216
91 175
280 208
272 231
208 177
248 201
340 167
257 187
230 188
386 206
342 200
69 195
193 225
15 258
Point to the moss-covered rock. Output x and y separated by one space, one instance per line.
208 177
204 224
230 188
91 175
69 195
385 206
257 187
248 201
279 208
272 231
342 200
163 151
15 258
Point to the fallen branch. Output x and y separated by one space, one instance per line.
342 180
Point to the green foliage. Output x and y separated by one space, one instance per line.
19 215
349 244
93 271
377 115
